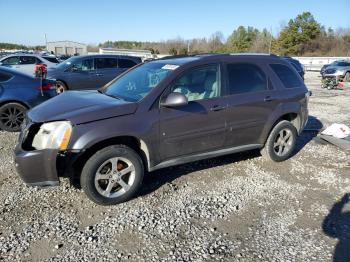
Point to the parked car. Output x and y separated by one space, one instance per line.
297 65
159 114
25 63
339 69
90 71
18 93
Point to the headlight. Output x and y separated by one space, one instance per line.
53 135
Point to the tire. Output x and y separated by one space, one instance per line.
274 144
347 77
61 87
106 188
12 116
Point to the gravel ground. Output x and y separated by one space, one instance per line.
234 208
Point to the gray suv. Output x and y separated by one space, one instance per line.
160 114
338 69
89 71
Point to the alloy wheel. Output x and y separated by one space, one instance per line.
283 142
12 117
114 177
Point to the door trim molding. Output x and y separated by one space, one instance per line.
201 156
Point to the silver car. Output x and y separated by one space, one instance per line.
339 70
25 63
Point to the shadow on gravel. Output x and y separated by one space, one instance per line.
337 225
311 130
157 179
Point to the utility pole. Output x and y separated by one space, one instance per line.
188 46
270 40
46 42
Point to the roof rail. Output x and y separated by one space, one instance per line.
258 54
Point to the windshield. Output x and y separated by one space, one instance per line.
341 63
137 83
67 63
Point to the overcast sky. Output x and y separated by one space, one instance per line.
26 22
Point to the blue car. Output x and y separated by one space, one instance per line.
18 93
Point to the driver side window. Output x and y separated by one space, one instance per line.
84 65
199 83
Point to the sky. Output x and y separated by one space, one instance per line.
93 22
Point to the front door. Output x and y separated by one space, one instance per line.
200 125
81 75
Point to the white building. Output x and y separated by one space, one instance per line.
144 54
66 48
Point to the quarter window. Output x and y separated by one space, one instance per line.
199 83
101 63
245 78
288 77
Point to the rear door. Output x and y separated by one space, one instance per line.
251 100
125 63
198 126
27 64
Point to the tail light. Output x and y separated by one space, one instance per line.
47 86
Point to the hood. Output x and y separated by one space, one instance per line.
80 107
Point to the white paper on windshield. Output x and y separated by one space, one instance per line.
170 67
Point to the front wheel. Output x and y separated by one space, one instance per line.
112 175
281 142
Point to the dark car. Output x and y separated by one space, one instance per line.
297 65
90 71
159 114
18 93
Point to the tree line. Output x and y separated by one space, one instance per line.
301 36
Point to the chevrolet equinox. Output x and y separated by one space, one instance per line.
159 114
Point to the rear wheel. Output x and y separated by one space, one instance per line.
12 116
281 142
112 175
60 87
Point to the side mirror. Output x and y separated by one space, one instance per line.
175 99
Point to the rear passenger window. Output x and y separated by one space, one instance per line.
288 77
4 76
28 60
101 63
125 63
245 78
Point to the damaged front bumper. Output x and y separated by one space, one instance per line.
41 168
37 167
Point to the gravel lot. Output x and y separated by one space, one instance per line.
234 208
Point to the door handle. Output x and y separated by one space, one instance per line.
217 108
269 99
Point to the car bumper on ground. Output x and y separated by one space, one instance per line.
37 167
